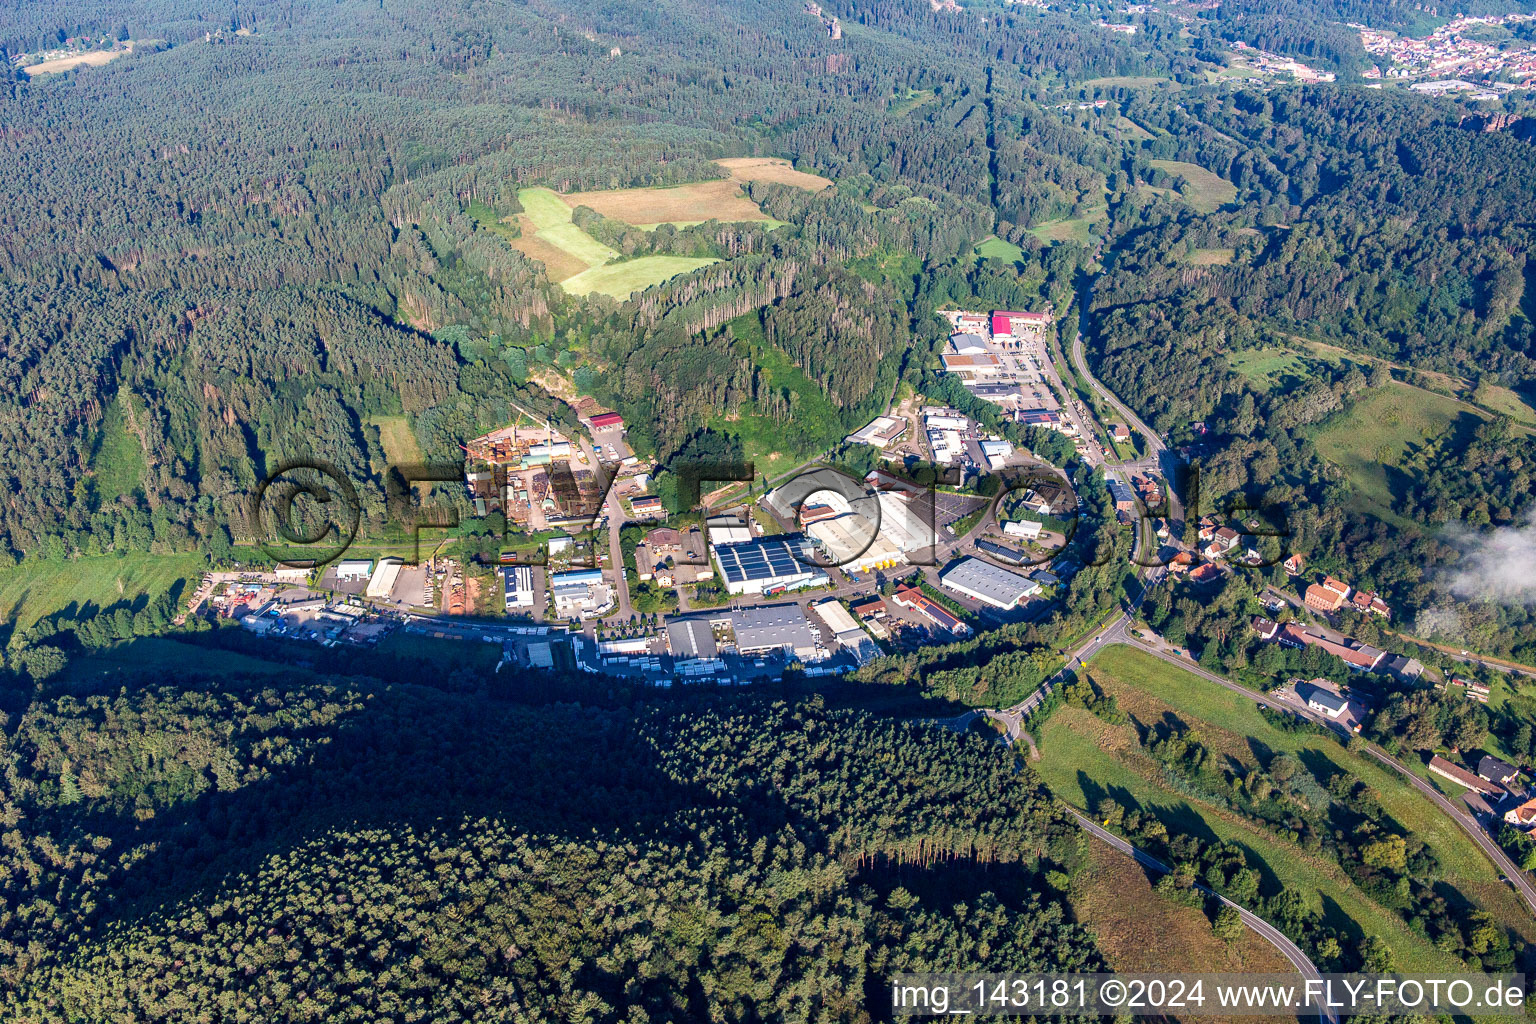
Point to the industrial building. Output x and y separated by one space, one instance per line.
988 583
691 638
580 593
517 586
881 432
354 569
775 627
383 579
771 564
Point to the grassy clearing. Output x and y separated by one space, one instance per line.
1069 229
1083 759
620 279
994 248
1125 82
1132 130
767 168
1509 403
774 446
399 443
37 588
117 457
1208 191
1267 367
1140 931
680 204
1231 725
1374 443
915 98
1211 257
1493 398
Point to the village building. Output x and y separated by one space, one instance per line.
910 597
1495 770
1522 816
1327 596
1446 770
1325 700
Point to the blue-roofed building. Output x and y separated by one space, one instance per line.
576 577
758 566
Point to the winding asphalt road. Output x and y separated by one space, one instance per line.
1511 871
1274 936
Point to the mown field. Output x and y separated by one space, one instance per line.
1148 688
1070 229
1140 932
1211 257
400 445
36 588
994 248
94 59
581 264
1267 368
1209 191
620 279
681 205
768 168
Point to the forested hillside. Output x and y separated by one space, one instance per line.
344 849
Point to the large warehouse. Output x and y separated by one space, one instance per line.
988 583
775 627
758 566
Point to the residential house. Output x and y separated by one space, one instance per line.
1495 770
1223 540
1266 628
1446 770
1369 602
1325 700
1522 816
1294 565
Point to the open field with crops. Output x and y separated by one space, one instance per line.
768 168
680 205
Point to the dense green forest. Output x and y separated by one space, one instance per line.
344 848
274 224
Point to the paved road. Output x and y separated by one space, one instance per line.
1155 445
1274 936
1511 871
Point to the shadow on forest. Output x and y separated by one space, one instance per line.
563 756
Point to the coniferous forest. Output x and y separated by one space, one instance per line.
276 224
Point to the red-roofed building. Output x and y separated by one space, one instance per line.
1369 602
607 421
1009 326
910 597
1327 596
